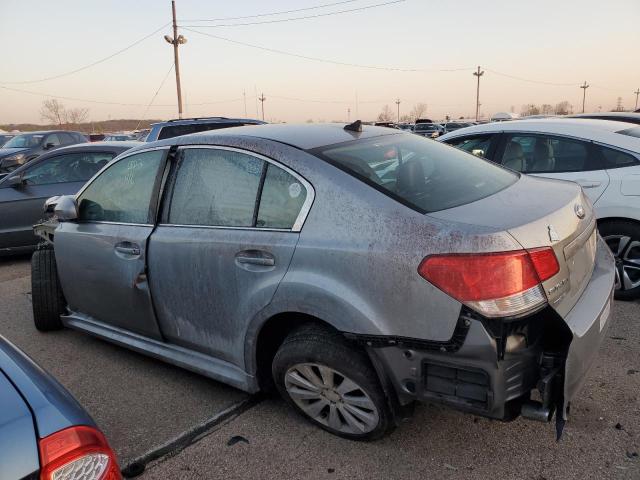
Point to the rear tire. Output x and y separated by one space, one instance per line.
332 384
46 292
623 238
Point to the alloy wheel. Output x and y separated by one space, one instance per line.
626 251
331 398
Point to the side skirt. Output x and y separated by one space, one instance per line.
197 362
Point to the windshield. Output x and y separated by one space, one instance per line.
426 126
425 175
26 140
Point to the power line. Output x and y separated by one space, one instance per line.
282 12
325 60
101 102
318 15
155 95
522 79
108 57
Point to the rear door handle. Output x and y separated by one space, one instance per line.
255 257
127 248
589 184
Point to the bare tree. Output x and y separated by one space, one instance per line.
563 108
546 109
53 111
386 115
530 109
418 110
75 116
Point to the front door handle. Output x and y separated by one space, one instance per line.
128 248
255 257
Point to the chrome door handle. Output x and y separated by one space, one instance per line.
128 249
587 184
265 262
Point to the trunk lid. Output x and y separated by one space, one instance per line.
537 213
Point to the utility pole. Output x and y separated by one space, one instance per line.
398 104
244 95
349 115
637 92
176 40
478 74
262 98
584 87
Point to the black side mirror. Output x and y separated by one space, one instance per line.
49 146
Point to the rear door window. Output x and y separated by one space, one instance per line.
546 154
418 172
215 187
226 188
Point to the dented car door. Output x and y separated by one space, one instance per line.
102 255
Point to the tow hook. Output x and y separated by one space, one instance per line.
551 388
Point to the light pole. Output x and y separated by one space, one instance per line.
176 40
584 87
478 74
637 92
398 104
262 98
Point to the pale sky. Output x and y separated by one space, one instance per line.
562 42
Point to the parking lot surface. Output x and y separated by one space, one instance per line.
143 405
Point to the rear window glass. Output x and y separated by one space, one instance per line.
632 132
171 131
425 175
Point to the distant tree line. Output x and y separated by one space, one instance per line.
61 118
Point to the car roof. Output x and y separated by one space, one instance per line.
96 146
612 115
604 131
42 132
303 136
188 121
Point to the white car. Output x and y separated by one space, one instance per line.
603 156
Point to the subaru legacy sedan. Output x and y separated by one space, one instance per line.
355 269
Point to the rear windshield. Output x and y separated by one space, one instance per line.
632 132
177 130
421 173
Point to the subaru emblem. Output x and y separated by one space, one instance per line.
579 209
553 235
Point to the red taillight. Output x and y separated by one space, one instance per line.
545 262
504 283
79 452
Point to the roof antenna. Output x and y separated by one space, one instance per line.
354 127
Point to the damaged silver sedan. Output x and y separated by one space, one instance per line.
356 270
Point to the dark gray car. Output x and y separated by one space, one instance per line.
61 172
357 270
25 147
44 432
